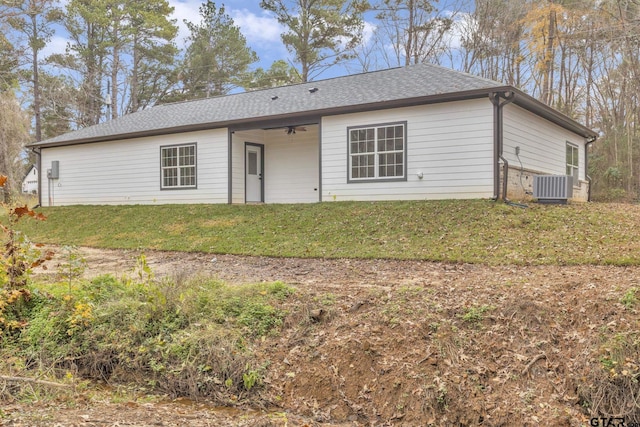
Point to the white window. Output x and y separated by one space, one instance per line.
572 162
377 152
178 165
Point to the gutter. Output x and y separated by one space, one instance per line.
499 100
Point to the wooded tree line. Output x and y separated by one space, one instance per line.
579 56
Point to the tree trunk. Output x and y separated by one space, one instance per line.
409 48
548 60
36 80
589 88
134 76
114 73
97 89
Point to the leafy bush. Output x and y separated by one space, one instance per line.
609 195
15 305
19 255
17 259
182 337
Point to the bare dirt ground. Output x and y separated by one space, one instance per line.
404 343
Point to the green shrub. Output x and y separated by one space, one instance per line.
184 337
15 307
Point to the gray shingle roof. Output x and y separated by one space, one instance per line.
358 91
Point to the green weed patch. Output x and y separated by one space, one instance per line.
476 231
188 337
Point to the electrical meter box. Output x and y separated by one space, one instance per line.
54 172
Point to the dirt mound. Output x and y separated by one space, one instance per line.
416 343
467 345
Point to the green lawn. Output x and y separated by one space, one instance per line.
478 231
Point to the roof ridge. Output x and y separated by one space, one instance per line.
384 88
333 78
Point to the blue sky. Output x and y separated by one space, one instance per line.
260 28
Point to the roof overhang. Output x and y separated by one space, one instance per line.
543 110
521 99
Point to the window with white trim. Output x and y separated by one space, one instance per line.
178 165
572 162
377 152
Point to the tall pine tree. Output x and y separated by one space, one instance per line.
319 33
34 20
217 58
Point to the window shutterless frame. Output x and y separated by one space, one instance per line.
178 166
573 162
377 153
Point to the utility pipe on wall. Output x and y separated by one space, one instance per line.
589 142
50 187
499 100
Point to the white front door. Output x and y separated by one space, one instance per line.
253 173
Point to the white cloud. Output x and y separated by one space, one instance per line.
57 44
185 10
261 30
258 29
462 22
263 35
368 31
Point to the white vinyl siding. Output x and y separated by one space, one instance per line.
447 153
450 144
291 171
129 171
542 143
291 166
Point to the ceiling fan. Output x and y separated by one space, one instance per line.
291 130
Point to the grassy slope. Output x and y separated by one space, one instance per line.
477 231
462 344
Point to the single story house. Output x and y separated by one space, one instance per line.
30 181
412 133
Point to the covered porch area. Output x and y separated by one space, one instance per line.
275 164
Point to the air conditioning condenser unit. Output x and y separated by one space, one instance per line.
553 188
